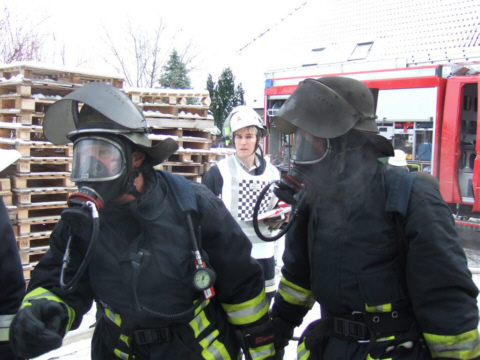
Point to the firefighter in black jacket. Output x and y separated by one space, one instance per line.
12 282
166 263
391 283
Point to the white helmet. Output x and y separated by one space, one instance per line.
243 116
400 159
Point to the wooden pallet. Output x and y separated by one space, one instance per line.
183 142
169 96
5 184
38 73
182 167
14 101
37 239
44 164
39 224
50 208
185 155
15 88
41 180
191 123
7 197
42 194
34 148
12 211
21 131
15 116
27 269
32 255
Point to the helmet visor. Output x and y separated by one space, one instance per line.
97 159
309 149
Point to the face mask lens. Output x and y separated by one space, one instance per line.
96 160
309 149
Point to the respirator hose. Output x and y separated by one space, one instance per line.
88 254
292 219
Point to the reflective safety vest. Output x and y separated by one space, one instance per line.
239 194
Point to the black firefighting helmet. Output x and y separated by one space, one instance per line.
104 110
330 107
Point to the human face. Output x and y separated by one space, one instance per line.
96 160
245 144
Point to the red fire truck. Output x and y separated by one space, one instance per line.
429 112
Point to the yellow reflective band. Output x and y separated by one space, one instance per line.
202 306
247 312
464 346
302 352
121 355
199 323
262 352
378 308
388 338
214 349
295 294
114 317
41 293
126 339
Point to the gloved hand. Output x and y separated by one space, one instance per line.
283 333
38 328
254 337
275 223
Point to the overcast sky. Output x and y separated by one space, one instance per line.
216 28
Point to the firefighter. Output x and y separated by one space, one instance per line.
12 282
391 278
166 263
238 180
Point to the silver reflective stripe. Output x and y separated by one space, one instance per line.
270 286
5 321
455 347
266 352
248 312
296 294
211 349
199 320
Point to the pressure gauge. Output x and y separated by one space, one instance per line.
203 278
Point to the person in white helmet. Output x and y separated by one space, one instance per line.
238 180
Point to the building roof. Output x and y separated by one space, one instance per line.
398 32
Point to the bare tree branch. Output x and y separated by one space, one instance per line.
141 52
21 41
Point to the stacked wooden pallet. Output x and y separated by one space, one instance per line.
40 179
183 116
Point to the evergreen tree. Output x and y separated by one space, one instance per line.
175 73
224 96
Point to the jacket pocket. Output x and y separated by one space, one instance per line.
380 288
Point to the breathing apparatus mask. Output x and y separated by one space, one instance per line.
102 170
105 127
319 113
